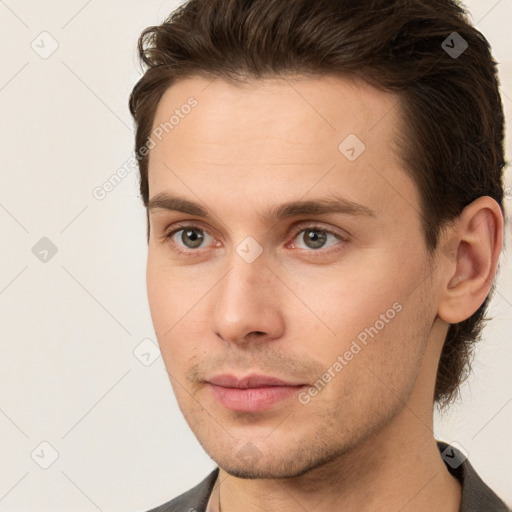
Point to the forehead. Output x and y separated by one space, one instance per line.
296 109
278 136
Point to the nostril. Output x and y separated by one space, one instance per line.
258 332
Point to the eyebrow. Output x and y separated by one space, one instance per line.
331 204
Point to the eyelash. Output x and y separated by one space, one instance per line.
302 228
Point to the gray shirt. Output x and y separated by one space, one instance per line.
476 495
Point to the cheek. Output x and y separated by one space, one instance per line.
371 322
174 302
171 293
387 366
158 296
339 306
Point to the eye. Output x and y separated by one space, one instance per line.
188 238
191 237
315 237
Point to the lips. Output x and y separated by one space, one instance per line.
250 381
253 393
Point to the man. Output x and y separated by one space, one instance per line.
323 183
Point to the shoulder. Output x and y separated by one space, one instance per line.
193 500
476 495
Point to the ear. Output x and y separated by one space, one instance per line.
468 258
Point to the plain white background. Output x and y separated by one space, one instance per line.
71 325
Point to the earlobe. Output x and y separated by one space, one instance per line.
468 258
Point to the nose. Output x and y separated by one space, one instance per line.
248 303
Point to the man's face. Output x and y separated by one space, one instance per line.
346 315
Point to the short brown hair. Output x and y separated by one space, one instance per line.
451 104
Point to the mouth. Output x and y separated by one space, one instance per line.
253 393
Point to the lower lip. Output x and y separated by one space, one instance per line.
252 399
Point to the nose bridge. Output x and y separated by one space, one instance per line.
246 283
246 299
